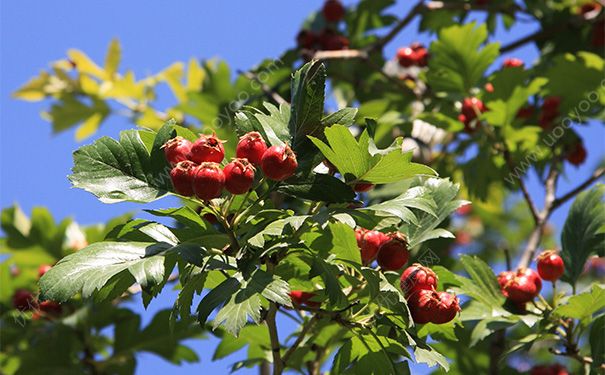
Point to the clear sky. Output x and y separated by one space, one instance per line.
35 163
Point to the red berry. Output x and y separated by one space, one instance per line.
331 41
363 187
512 62
471 107
555 369
393 253
446 308
182 177
421 55
251 146
550 265
50 308
598 34
279 162
207 148
299 297
239 176
406 57
208 181
526 112
176 150
369 242
333 10
422 305
463 238
523 286
23 300
464 210
577 155
417 277
551 105
43 269
489 87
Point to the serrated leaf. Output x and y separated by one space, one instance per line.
583 305
318 187
597 341
328 273
308 85
345 116
484 286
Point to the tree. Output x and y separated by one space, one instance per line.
326 244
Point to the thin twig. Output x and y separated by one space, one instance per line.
530 202
416 9
278 364
301 336
272 94
576 356
564 198
339 54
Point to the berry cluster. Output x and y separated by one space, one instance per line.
24 300
419 285
390 250
328 38
549 111
576 154
196 169
414 55
525 284
471 109
512 62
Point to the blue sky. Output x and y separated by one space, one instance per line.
35 163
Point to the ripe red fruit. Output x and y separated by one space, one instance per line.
406 57
177 149
446 308
43 269
471 107
550 265
551 104
299 297
512 62
333 10
422 305
182 177
363 187
393 252
464 210
306 39
463 238
523 286
239 176
417 277
50 308
332 41
369 242
279 162
251 146
526 112
23 300
555 369
577 155
208 181
207 148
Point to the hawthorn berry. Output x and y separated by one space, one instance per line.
369 242
279 162
23 300
523 286
503 278
422 305
577 155
393 252
417 277
330 40
207 148
208 181
251 146
512 62
43 269
550 265
555 369
306 39
182 177
421 54
51 308
362 187
406 57
446 308
526 112
239 176
299 298
464 210
333 10
471 107
176 150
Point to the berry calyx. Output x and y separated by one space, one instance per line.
550 265
333 11
362 187
208 181
176 150
369 242
43 269
512 62
23 300
182 177
207 148
523 286
417 277
577 154
446 308
239 176
279 162
251 146
299 298
422 305
393 252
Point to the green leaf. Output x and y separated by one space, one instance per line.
338 240
318 187
308 86
597 341
345 116
583 305
581 235
112 59
328 273
457 61
431 357
91 268
484 285
124 170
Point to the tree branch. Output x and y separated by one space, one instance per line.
278 365
301 336
576 356
416 9
272 94
564 198
526 195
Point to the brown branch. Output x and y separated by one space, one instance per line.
530 202
267 90
576 356
416 9
278 365
339 54
564 198
301 336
